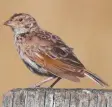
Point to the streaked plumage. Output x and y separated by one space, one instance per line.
45 53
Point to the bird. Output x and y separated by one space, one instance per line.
45 53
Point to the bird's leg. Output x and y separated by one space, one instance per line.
54 83
42 82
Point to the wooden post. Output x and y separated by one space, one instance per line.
47 97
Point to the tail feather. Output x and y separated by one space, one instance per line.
95 78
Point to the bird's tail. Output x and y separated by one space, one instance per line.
95 78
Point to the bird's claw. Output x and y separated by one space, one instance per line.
34 86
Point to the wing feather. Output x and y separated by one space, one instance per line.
57 57
60 69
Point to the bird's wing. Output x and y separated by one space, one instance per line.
58 49
58 58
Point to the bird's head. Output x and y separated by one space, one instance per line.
21 23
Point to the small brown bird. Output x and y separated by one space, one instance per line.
45 53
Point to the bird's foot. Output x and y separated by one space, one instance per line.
39 86
35 86
41 82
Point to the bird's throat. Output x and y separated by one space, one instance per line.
18 31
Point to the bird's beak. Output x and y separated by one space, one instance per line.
7 23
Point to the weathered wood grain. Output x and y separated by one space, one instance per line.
47 97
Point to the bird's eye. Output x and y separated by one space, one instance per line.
20 19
